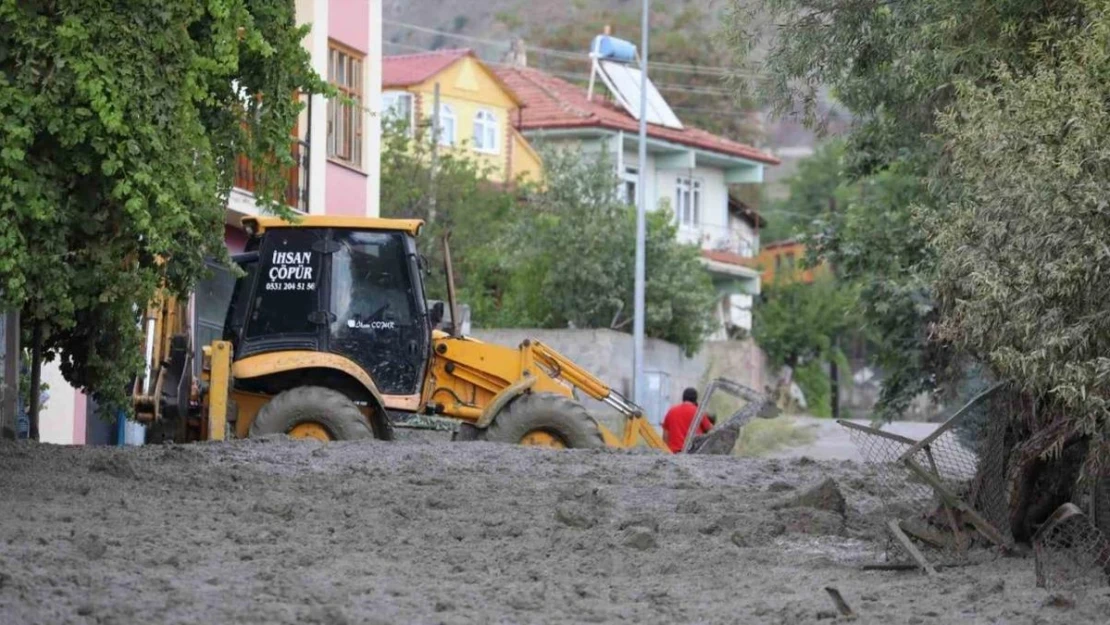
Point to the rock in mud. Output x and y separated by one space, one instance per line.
91 546
1059 601
756 532
576 515
985 589
811 521
640 537
824 496
115 466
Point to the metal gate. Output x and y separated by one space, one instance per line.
657 395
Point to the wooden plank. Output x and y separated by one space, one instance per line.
959 535
905 566
981 524
841 605
908 545
876 432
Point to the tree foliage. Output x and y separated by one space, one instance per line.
1022 246
119 130
800 324
895 66
552 254
796 322
818 180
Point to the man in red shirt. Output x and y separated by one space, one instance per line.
677 422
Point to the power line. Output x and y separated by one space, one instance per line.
405 46
578 56
689 89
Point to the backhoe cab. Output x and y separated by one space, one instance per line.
329 335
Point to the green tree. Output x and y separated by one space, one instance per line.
477 213
582 240
798 325
554 253
895 66
1022 246
817 181
120 129
987 121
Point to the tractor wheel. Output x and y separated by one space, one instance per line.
545 420
312 412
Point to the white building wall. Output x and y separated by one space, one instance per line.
714 203
632 159
740 230
56 418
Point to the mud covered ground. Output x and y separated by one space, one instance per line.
277 531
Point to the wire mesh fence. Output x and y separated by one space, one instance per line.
948 490
1071 552
1100 502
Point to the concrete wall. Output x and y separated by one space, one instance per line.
608 355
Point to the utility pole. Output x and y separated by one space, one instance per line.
435 156
834 370
638 390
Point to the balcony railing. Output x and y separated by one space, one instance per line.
736 245
297 181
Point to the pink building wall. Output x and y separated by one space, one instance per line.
80 415
345 189
349 23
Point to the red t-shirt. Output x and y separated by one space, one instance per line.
677 423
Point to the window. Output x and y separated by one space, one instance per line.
485 132
378 323
213 297
285 296
628 184
446 130
345 117
688 201
397 108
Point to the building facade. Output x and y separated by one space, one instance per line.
687 169
782 261
476 109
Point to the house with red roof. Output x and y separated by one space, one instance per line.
476 108
689 169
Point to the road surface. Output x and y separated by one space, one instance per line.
834 443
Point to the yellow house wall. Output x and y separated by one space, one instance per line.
468 87
526 163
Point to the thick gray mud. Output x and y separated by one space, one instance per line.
279 531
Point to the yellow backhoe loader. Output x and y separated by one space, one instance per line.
329 336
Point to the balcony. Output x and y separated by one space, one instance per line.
296 185
733 244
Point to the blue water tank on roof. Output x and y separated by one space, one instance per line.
613 49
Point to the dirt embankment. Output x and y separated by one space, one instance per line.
419 532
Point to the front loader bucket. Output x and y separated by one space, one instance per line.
722 437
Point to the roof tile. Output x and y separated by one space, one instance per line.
406 70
